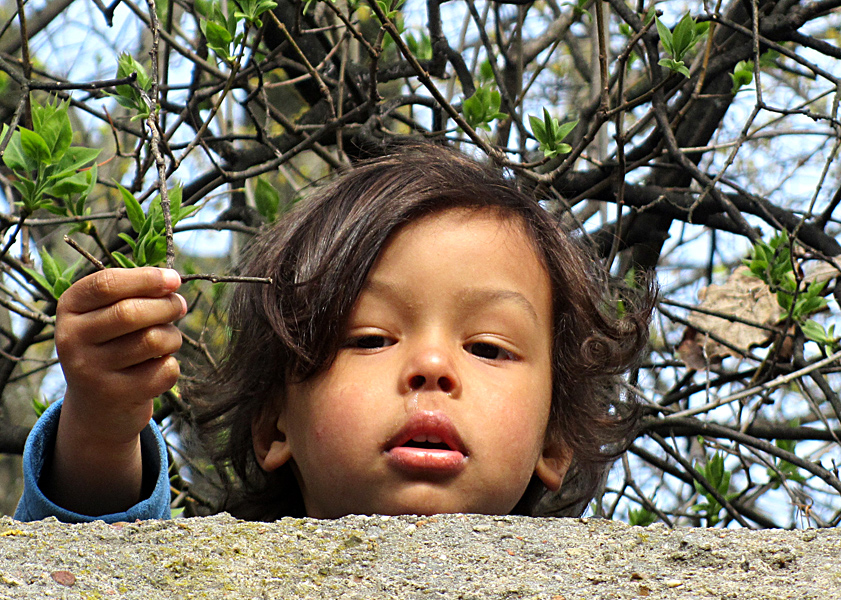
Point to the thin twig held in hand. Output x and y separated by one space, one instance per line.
90 257
189 277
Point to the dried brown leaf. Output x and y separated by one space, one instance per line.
743 296
690 351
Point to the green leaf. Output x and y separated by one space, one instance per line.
75 158
550 133
682 36
175 203
674 65
578 8
815 288
785 301
148 225
421 48
772 263
203 7
156 216
217 15
14 157
566 128
768 59
665 36
123 260
264 5
57 210
486 71
78 208
482 108
251 10
716 475
230 23
154 250
74 184
127 96
267 200
537 129
680 41
127 103
162 8
807 306
742 75
36 276
133 209
39 407
126 65
91 175
61 286
474 110
550 126
31 198
641 517
132 243
139 252
186 212
218 38
53 125
34 146
785 470
60 125
52 270
814 331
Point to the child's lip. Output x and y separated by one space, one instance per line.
430 460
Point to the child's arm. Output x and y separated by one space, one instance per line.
114 338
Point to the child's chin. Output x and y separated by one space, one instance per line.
428 503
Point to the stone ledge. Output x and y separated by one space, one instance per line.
453 556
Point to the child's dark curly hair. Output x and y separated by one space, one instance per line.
319 257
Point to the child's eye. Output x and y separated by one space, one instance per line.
489 351
369 342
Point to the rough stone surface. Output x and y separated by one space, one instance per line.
455 556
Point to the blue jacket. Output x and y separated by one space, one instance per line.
34 505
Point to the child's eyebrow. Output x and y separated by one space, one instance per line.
478 296
469 298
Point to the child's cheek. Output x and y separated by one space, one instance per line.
343 414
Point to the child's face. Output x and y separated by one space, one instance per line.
439 399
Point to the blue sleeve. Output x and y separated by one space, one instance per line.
34 505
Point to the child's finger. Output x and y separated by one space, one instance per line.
112 285
138 347
127 316
121 396
157 376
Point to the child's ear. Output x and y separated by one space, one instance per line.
268 435
552 465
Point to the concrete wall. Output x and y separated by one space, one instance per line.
453 556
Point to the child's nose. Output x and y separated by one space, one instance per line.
431 369
443 383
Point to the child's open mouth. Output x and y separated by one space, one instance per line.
428 443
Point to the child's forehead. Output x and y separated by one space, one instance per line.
478 224
464 242
507 225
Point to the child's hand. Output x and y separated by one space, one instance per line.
114 338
